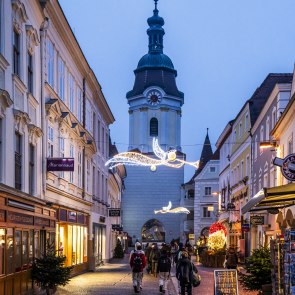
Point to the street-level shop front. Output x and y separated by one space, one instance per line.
278 230
72 238
26 225
99 243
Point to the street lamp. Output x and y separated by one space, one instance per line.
268 144
210 208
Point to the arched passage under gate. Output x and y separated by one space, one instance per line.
153 231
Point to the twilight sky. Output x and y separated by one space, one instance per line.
222 51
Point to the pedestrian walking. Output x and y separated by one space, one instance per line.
137 263
163 269
147 253
184 273
231 258
154 257
174 250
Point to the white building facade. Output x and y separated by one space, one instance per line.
51 106
154 112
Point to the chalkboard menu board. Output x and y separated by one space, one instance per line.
225 282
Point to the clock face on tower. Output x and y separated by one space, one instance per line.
154 97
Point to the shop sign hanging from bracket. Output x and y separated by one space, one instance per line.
287 166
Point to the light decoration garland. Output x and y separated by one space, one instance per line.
217 226
168 159
217 236
216 241
169 210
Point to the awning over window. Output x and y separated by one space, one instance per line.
274 197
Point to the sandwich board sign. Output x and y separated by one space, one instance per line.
225 282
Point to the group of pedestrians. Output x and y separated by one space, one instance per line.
158 262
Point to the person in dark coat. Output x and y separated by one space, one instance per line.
154 257
184 272
163 269
231 258
147 252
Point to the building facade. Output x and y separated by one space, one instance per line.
154 112
206 196
51 109
264 172
224 145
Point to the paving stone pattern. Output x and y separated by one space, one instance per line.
115 279
112 279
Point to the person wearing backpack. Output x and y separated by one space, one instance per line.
163 269
154 257
184 272
137 263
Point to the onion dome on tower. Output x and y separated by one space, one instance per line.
155 68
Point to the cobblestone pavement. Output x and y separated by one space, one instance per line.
207 283
112 279
115 279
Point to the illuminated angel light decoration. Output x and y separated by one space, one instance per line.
168 159
169 210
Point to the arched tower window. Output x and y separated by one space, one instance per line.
154 127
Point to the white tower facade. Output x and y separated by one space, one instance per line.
154 112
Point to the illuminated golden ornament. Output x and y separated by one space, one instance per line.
217 240
172 156
153 168
138 159
169 210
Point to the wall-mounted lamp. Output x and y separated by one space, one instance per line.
210 208
215 193
268 144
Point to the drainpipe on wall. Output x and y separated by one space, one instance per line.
84 124
43 32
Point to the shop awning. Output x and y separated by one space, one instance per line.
271 198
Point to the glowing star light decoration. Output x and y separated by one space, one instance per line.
175 210
168 159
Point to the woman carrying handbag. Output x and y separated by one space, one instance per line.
185 270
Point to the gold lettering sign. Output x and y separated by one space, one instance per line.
42 221
19 218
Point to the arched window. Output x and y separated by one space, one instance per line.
154 127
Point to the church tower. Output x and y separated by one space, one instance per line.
154 112
155 102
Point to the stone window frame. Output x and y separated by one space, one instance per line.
20 17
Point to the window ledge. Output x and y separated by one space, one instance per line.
3 62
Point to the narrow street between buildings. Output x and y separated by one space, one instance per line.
115 279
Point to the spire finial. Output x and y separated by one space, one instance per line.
207 130
156 2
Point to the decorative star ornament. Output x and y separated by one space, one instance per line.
169 210
168 159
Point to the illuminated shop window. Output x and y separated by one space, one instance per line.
10 251
37 246
2 250
25 249
72 242
18 246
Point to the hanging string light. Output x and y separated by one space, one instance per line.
168 159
